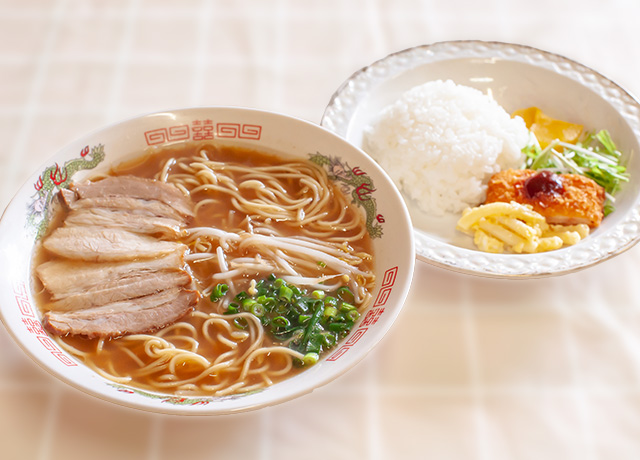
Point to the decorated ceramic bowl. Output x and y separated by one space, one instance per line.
368 187
516 77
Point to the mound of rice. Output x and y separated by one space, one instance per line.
441 142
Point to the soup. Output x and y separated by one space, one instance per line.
280 259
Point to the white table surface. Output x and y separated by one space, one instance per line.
473 369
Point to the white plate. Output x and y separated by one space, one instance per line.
516 76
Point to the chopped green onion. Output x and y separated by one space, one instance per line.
241 296
314 344
329 339
345 294
240 323
267 302
280 321
257 310
345 307
318 294
352 315
303 318
285 293
330 301
339 327
232 308
312 322
310 359
218 292
281 308
308 321
248 303
302 304
330 312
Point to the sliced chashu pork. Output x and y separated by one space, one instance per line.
121 203
138 188
62 278
146 225
98 244
134 316
120 269
130 287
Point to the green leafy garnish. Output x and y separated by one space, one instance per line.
594 156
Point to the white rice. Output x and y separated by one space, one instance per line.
441 142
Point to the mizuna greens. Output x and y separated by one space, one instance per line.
595 156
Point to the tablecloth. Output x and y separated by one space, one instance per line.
474 368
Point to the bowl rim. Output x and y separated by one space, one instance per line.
345 101
341 367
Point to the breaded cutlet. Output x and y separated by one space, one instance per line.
565 199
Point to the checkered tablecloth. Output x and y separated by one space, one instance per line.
473 369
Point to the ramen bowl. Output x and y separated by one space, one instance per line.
371 191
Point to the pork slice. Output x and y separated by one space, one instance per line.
68 197
98 244
137 187
67 277
129 287
146 225
135 316
123 203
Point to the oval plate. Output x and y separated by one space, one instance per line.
515 76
